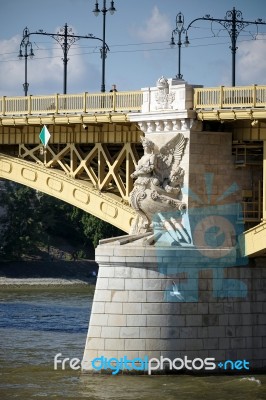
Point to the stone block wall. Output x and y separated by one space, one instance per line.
211 153
134 316
221 313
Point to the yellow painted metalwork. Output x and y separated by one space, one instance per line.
92 151
254 241
230 97
217 103
264 185
71 103
230 103
107 168
248 131
72 133
97 157
79 193
63 119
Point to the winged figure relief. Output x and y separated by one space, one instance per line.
158 185
167 167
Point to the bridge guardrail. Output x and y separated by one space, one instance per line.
204 98
72 103
229 97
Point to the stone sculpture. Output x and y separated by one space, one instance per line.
163 98
157 188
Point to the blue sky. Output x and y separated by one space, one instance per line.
138 35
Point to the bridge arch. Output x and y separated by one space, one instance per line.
81 194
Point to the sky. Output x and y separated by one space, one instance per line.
138 36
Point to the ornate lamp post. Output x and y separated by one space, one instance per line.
65 37
178 30
104 48
26 44
233 22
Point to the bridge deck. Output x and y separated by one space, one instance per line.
242 102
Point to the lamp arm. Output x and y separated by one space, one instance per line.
90 36
224 20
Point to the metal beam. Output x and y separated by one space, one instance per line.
107 207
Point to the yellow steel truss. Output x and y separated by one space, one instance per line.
88 166
106 167
92 151
79 193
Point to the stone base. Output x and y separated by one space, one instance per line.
219 312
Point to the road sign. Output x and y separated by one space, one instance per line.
44 135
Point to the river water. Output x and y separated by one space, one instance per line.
37 323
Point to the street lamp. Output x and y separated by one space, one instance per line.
178 30
233 22
64 37
26 44
104 48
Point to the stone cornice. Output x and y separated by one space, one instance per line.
162 115
170 121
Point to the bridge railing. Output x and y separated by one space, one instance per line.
204 98
230 97
72 103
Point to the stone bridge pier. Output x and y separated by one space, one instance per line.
179 286
219 313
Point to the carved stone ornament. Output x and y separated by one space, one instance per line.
163 98
167 125
157 188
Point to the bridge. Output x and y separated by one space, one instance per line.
95 145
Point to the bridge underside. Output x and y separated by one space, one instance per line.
88 166
81 194
89 160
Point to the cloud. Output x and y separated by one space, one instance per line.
44 71
10 66
156 27
251 61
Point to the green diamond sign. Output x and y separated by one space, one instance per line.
44 135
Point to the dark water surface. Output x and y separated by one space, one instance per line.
38 323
